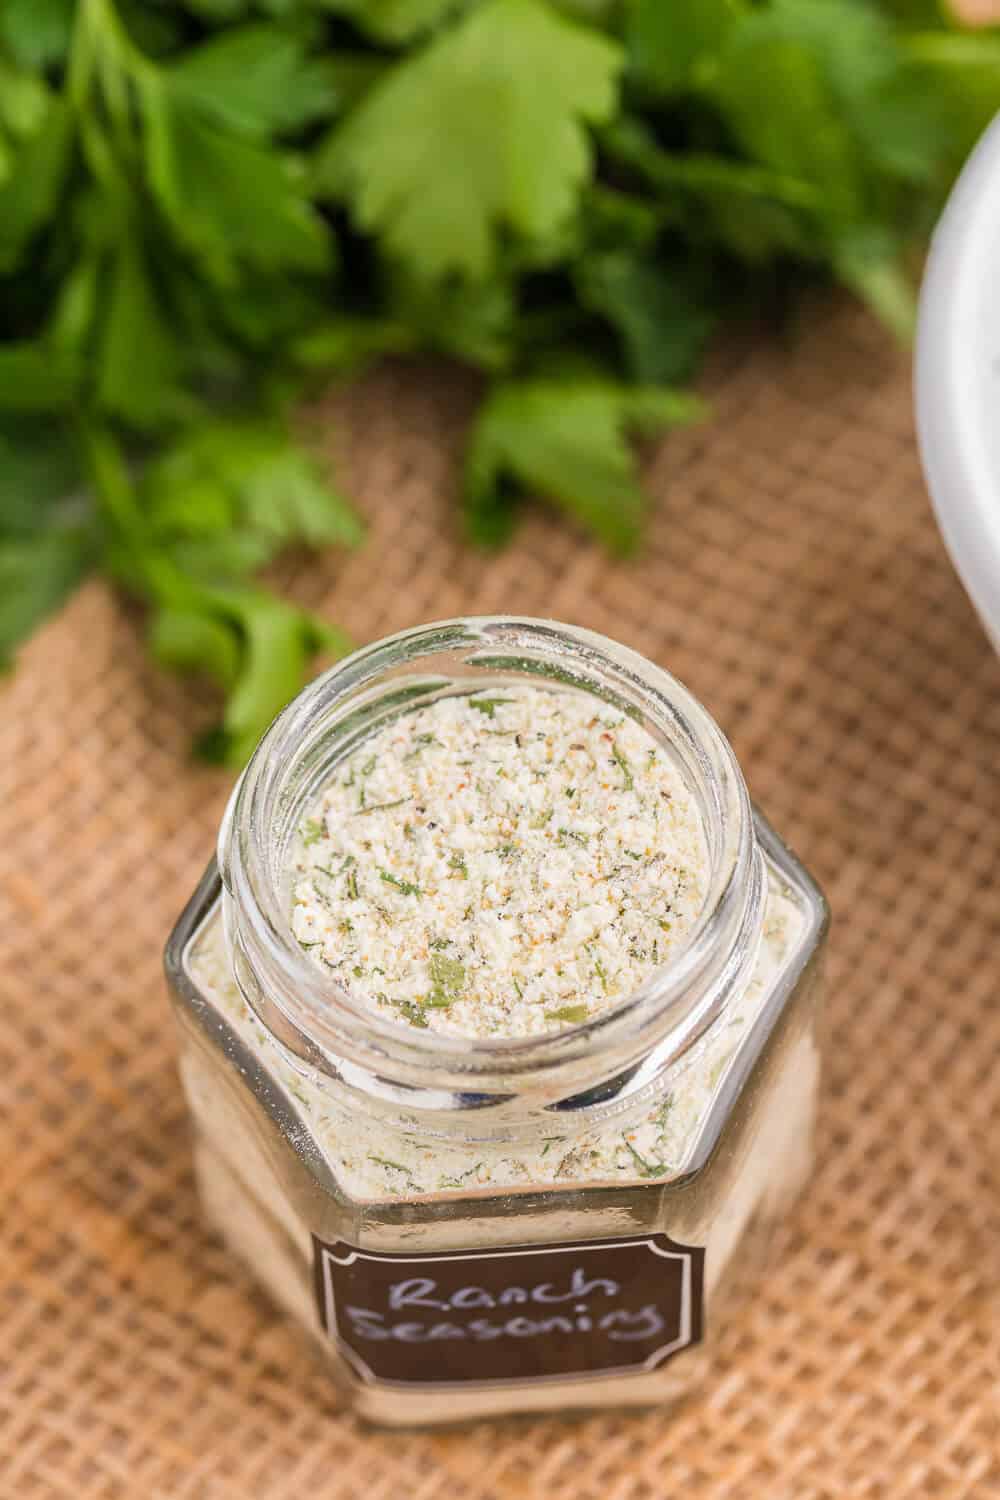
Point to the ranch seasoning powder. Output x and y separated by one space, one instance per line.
499 1037
500 864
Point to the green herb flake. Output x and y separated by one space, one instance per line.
573 1013
407 887
663 1112
395 1166
413 1012
628 784
448 980
312 831
572 833
420 743
488 706
646 1168
381 806
457 863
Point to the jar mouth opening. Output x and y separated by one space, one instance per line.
348 703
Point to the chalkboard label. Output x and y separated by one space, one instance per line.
515 1314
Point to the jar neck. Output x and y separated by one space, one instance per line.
502 1086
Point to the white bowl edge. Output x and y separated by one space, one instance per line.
957 377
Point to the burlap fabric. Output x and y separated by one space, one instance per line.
795 580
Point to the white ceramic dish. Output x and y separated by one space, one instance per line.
958 377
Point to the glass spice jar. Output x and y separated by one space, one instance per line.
471 1226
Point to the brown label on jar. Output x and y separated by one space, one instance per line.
520 1313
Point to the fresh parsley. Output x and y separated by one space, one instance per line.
207 206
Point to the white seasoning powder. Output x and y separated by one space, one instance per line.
377 1162
506 863
509 863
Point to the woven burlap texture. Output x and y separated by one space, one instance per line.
794 579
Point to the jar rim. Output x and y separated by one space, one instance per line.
323 1023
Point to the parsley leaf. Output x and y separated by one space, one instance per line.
275 643
37 31
204 207
141 365
447 149
394 20
224 195
567 441
30 188
668 44
185 535
255 79
658 308
247 477
36 575
34 378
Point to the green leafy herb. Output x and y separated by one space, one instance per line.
456 862
443 154
205 209
566 439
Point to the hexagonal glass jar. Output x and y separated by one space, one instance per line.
474 1226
